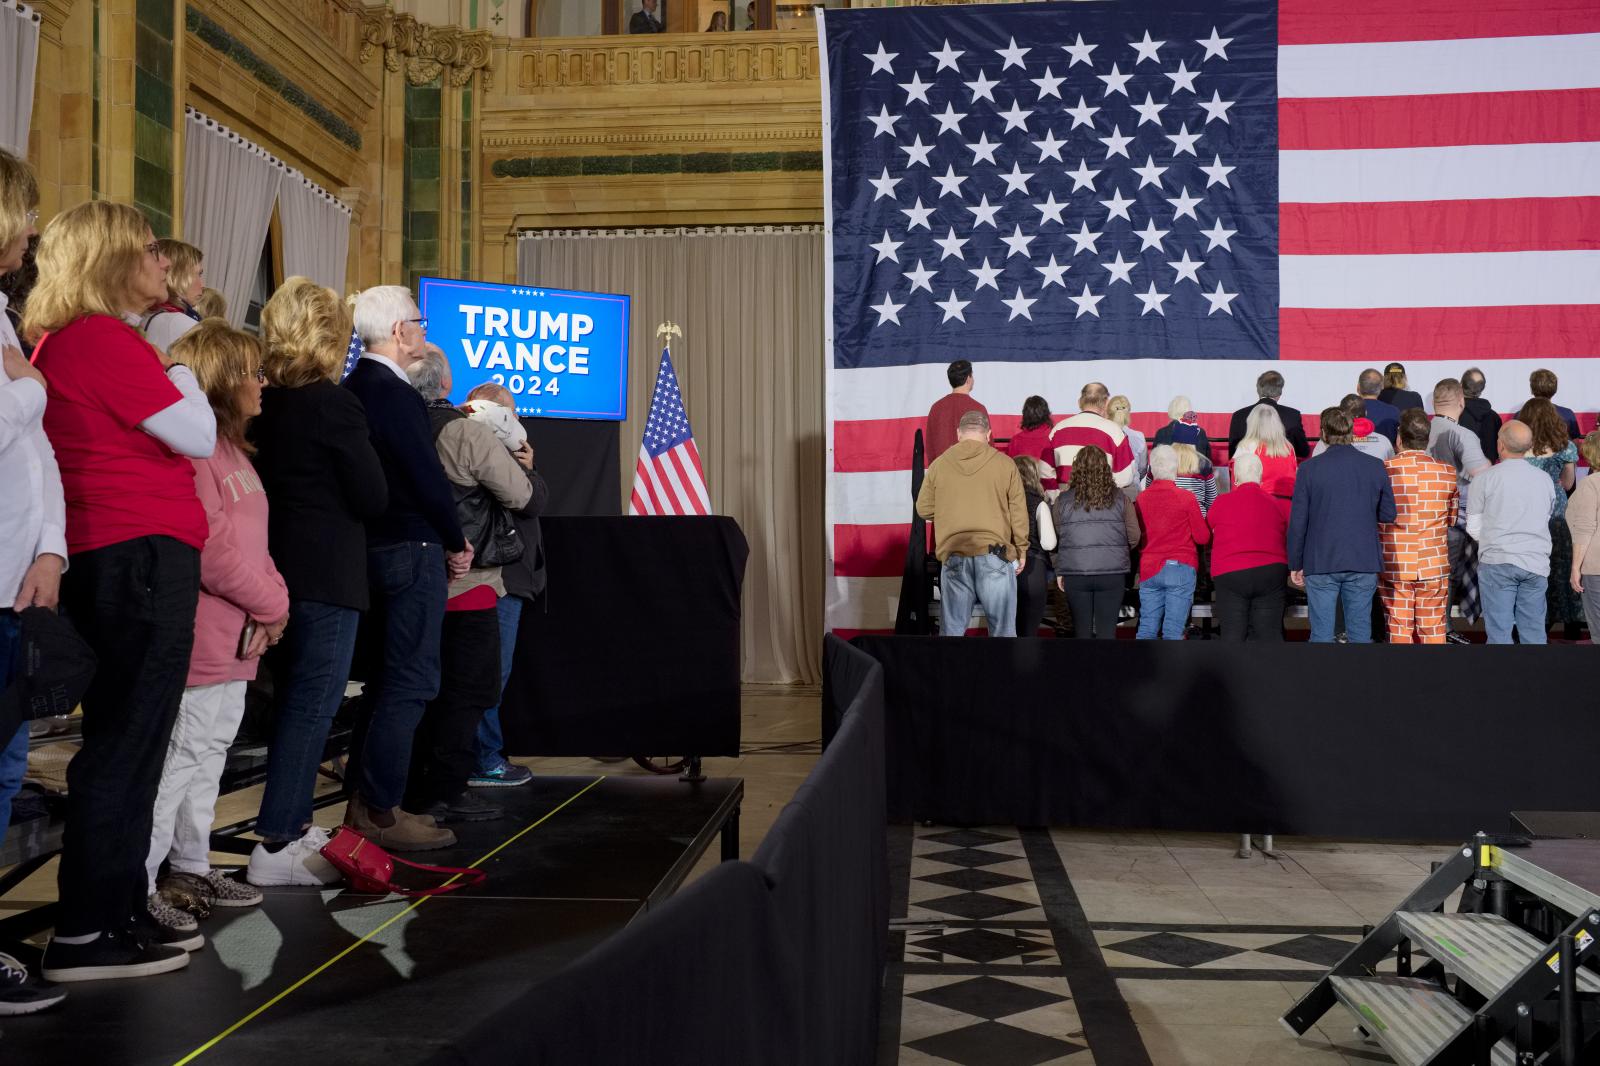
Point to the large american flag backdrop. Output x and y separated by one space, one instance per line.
1170 198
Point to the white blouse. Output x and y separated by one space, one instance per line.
33 521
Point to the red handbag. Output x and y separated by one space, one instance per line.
370 869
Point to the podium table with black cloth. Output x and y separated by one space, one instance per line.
634 647
1371 741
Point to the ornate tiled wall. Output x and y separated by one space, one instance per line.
424 208
153 112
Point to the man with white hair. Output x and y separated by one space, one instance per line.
1508 514
413 549
973 496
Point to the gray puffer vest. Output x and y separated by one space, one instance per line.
1091 542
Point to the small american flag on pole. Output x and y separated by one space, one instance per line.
668 478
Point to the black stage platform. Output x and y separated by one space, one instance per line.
1375 741
322 976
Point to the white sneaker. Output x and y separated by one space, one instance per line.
300 863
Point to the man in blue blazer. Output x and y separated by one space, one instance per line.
1340 497
413 549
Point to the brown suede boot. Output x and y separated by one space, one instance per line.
404 832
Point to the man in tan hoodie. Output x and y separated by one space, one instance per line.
973 496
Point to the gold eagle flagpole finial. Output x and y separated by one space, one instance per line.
668 330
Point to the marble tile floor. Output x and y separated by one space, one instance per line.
1029 947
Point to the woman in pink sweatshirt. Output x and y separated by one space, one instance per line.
244 606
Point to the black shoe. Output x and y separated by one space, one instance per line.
22 994
1453 637
465 808
117 953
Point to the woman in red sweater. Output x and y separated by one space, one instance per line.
1033 439
1173 531
1249 555
125 420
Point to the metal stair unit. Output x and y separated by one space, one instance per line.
1490 991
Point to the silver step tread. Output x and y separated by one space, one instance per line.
1484 950
1412 1019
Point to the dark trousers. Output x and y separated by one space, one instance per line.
409 587
134 604
310 669
1249 603
445 751
1032 592
1095 600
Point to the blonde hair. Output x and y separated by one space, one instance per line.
1119 409
183 261
1028 468
306 330
1264 429
1188 459
87 258
222 358
1590 448
1179 407
212 304
19 194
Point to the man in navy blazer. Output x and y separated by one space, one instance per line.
1269 387
1340 497
413 548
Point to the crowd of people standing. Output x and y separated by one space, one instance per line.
1385 522
198 501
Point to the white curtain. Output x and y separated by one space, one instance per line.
230 186
316 231
749 300
19 56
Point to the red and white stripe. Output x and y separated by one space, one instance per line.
1439 176
673 482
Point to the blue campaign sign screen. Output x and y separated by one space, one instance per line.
562 354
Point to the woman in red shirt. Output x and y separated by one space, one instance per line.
1249 555
124 421
1033 439
1264 438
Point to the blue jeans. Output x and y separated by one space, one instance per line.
14 755
987 579
409 589
1512 596
490 740
1164 601
310 669
1324 592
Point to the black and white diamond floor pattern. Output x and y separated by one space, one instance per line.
982 978
979 979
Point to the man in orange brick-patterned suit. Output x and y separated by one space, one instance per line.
1415 583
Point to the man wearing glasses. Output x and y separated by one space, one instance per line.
413 549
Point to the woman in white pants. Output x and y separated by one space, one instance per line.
244 607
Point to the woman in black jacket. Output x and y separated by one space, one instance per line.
324 479
1396 390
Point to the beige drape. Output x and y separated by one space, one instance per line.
749 300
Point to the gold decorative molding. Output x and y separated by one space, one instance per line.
52 17
425 52
663 137
595 62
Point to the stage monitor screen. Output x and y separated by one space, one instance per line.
562 354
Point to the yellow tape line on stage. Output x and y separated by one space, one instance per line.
248 1018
